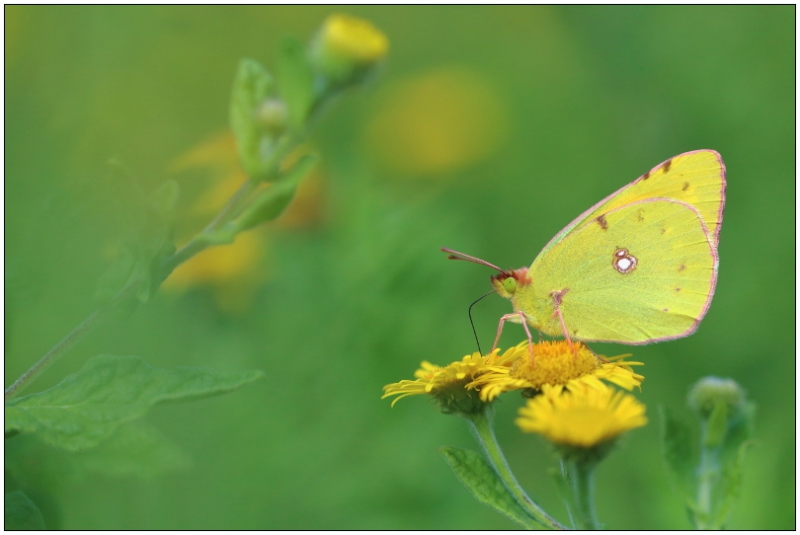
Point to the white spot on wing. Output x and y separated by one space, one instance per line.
623 261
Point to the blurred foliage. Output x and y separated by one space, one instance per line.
510 121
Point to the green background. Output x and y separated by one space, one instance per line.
593 98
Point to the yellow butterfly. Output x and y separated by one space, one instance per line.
638 267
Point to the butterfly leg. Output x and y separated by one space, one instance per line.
558 297
515 317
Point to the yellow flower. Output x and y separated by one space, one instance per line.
354 39
346 47
216 156
437 123
448 384
581 417
231 272
555 363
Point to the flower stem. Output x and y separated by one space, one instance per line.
51 356
482 426
708 474
198 244
579 474
186 252
193 247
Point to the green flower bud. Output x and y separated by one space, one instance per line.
708 391
273 116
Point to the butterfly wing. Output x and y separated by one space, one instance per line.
639 273
696 178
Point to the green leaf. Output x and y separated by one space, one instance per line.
295 80
735 445
21 513
251 87
565 490
224 236
276 198
134 450
481 479
679 454
87 407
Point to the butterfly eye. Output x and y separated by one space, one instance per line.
510 284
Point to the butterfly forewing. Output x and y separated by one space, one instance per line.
696 178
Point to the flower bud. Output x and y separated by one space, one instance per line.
272 115
708 391
346 47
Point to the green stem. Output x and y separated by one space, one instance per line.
186 252
579 474
198 244
193 247
707 478
77 334
482 426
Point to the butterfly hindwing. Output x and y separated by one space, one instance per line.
638 273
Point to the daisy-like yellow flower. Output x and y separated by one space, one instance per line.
449 384
556 363
581 417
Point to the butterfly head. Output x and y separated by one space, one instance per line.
508 282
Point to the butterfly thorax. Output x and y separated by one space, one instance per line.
508 282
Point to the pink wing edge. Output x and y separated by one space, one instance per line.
574 222
724 184
712 288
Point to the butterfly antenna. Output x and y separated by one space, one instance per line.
472 323
455 255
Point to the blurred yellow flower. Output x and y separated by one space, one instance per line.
555 363
437 123
581 417
353 39
218 156
232 272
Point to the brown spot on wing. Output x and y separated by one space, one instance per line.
663 230
677 289
602 222
558 296
667 165
646 175
666 310
683 266
685 186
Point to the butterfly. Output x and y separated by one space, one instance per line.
638 267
